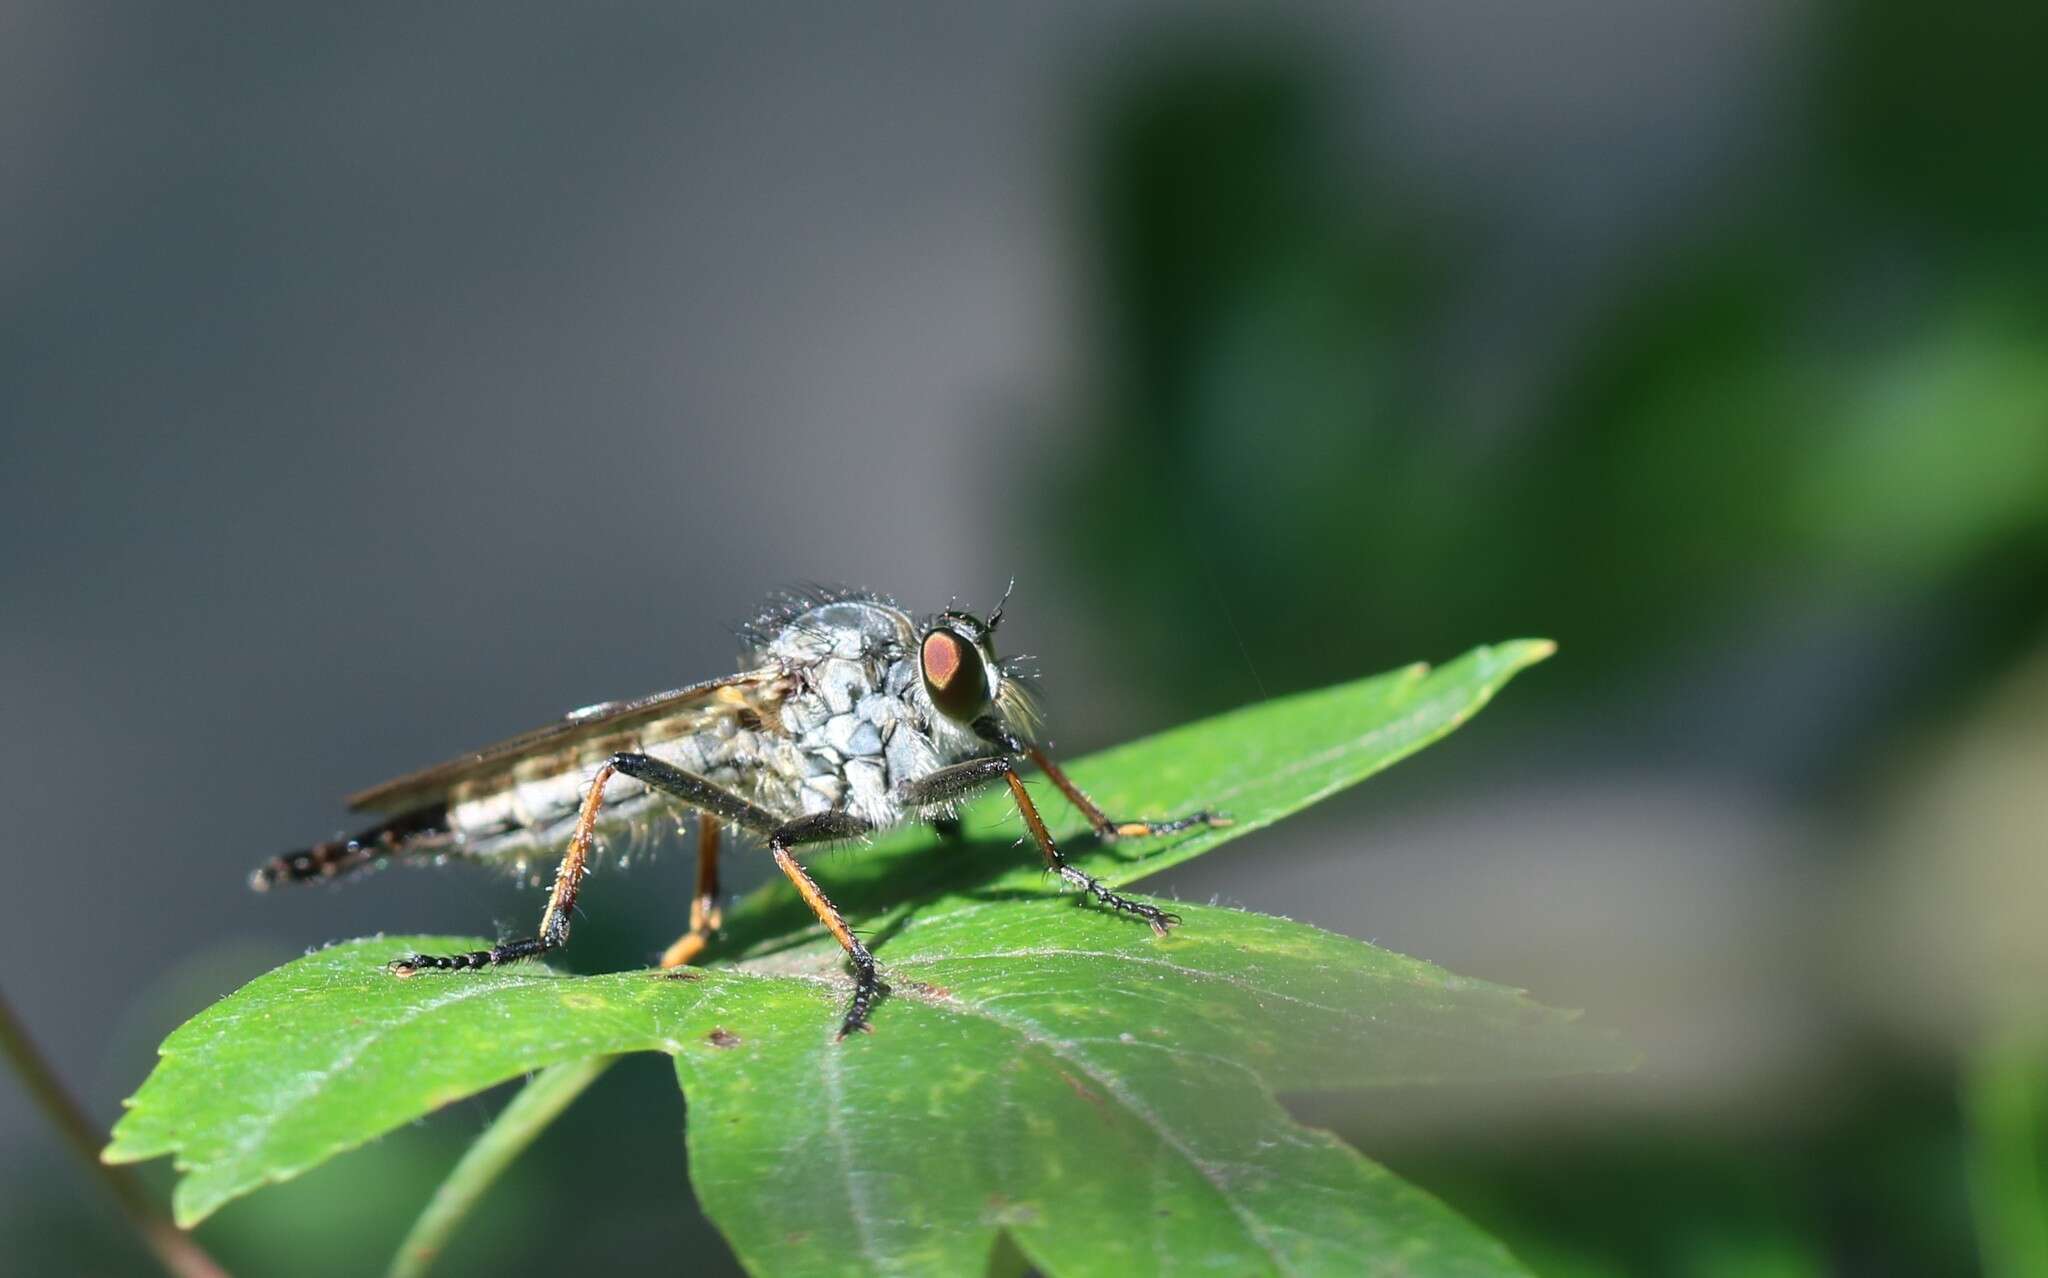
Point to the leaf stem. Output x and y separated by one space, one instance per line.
536 1105
173 1248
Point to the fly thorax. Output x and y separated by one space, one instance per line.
847 716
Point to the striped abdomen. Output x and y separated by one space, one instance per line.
520 817
526 818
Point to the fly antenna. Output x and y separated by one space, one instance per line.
996 618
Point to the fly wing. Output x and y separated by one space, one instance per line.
573 735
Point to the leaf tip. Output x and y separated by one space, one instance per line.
189 1216
123 1146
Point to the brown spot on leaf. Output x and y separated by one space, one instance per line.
722 1037
1082 1091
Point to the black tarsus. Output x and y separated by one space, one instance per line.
509 952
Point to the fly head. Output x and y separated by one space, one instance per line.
968 684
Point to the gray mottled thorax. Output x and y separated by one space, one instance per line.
846 723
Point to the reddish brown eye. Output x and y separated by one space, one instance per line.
953 676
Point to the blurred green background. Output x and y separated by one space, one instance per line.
387 380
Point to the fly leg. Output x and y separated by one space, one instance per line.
951 783
712 801
705 916
716 805
1108 830
554 920
823 827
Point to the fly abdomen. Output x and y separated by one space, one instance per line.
423 831
524 821
490 833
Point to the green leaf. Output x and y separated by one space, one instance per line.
1104 1096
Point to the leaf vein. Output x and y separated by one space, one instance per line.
313 1080
1064 1049
856 1192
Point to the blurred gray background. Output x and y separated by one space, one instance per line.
378 381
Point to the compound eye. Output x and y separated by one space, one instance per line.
953 675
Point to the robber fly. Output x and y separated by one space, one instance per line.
848 716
